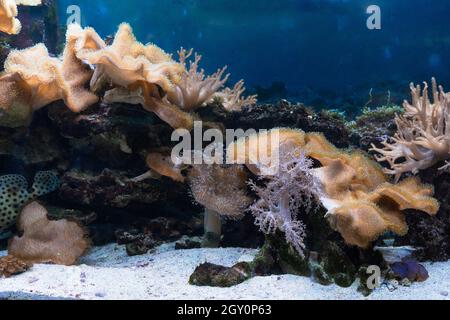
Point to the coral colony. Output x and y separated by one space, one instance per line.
281 185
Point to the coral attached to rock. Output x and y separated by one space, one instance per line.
33 79
223 193
8 13
361 204
14 194
423 136
44 241
293 187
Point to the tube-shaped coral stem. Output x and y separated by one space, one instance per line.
213 229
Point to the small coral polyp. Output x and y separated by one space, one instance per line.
423 133
362 205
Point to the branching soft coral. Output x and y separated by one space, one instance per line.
284 194
8 13
361 204
195 88
423 133
233 100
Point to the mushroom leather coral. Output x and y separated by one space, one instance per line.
139 74
32 80
44 241
126 61
423 133
361 204
8 13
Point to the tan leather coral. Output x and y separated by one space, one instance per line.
160 163
15 105
44 241
33 79
361 203
423 137
195 88
8 13
259 151
127 61
139 74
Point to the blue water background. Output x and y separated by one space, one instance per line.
303 43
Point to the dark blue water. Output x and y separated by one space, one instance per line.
303 43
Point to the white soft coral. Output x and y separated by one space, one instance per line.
292 188
423 133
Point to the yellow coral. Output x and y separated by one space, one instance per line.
8 13
260 151
140 74
33 79
361 204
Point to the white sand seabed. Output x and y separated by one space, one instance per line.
108 273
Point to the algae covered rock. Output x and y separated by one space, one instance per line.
208 274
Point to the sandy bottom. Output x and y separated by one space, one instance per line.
108 273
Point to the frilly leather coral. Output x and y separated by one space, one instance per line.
139 74
8 12
423 137
361 203
33 79
44 241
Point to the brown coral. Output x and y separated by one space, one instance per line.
11 266
361 204
8 13
423 136
44 241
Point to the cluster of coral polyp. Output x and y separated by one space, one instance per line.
362 205
423 133
125 71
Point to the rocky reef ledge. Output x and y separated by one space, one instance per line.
108 273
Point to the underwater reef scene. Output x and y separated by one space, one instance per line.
140 159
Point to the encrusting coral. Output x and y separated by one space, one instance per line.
8 13
44 241
14 194
361 204
33 79
423 133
